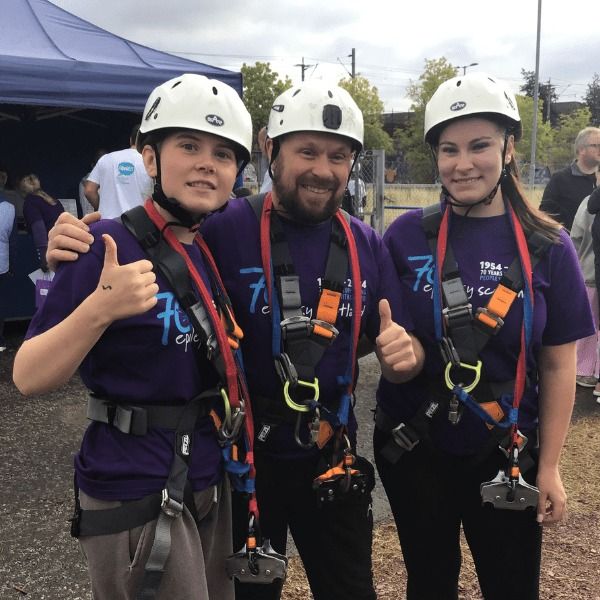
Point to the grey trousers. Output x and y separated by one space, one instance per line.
195 569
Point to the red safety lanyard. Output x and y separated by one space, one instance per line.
236 386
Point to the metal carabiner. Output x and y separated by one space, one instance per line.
315 427
232 423
468 388
314 385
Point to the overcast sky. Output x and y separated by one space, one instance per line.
392 38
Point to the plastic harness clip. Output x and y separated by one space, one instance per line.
314 385
471 386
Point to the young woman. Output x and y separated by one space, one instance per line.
498 301
110 315
40 211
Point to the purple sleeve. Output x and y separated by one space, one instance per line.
31 212
73 283
39 233
569 315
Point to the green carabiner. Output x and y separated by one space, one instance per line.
227 419
477 368
294 405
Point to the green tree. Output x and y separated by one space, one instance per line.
367 98
261 86
564 137
592 99
544 136
547 94
409 141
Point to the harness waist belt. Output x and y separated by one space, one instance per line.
404 436
137 420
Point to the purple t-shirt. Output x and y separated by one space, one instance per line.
234 238
484 248
40 217
146 359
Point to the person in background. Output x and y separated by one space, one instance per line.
40 211
8 235
266 183
593 206
119 181
581 234
84 204
569 186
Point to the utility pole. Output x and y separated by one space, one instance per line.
536 97
303 67
353 57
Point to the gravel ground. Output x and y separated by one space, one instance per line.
39 560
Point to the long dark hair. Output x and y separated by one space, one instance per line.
531 218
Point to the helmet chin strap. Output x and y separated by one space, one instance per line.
487 200
171 205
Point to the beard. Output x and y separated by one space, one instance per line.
289 198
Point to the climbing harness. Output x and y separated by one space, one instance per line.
219 336
461 336
299 342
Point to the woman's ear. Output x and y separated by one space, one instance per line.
510 149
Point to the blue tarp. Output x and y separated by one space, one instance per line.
49 57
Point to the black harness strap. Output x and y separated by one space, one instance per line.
136 419
302 346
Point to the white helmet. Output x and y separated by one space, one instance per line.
317 106
195 102
471 94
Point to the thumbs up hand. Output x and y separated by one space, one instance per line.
124 290
394 347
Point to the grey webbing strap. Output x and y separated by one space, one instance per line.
172 501
155 566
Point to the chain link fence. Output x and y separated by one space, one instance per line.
370 197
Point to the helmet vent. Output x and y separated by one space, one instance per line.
215 91
458 83
330 94
492 80
175 84
152 109
296 93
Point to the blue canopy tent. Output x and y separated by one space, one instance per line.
67 89
49 57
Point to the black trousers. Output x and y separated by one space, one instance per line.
431 495
334 541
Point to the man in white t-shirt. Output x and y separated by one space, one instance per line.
118 182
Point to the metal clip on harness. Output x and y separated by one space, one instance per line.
340 480
315 427
232 423
510 492
254 564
